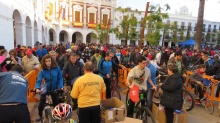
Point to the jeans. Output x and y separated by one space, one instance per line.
108 87
89 114
55 100
169 115
15 114
150 93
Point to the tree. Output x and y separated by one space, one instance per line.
218 37
102 32
127 28
176 33
199 26
155 23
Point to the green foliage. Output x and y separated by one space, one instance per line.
155 23
101 34
218 37
127 28
177 33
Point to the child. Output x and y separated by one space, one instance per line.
197 78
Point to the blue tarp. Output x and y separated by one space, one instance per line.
188 42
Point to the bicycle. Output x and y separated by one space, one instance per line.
114 90
47 116
142 111
205 101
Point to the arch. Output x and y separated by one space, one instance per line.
17 28
63 36
90 38
52 36
35 32
77 37
28 31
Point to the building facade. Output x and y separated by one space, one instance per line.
25 22
185 21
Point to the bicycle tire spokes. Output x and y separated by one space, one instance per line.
188 100
207 104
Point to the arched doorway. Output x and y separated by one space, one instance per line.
28 31
63 36
43 36
77 37
17 27
52 36
35 32
90 38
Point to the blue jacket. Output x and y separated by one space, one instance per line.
104 67
153 72
41 53
53 78
13 88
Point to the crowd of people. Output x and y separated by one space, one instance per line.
95 63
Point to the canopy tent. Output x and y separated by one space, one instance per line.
189 42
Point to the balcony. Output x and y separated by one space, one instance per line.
189 28
104 26
183 27
91 25
77 24
166 37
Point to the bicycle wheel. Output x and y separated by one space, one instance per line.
116 93
208 105
145 115
47 118
188 100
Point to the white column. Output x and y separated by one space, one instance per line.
29 41
56 37
20 33
99 12
71 12
84 18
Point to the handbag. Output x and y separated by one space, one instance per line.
134 93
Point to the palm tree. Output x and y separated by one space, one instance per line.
199 26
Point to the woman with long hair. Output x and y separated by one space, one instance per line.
52 75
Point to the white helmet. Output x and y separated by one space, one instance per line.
62 111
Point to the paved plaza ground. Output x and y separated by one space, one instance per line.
197 115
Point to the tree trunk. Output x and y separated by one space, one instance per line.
199 26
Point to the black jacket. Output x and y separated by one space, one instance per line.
172 92
73 70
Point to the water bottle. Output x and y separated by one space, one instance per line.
178 111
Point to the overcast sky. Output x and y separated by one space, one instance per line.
212 7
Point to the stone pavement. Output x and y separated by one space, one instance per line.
197 115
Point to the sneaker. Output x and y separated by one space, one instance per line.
198 102
39 119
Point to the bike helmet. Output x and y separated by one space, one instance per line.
62 111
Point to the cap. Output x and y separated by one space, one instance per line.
28 52
68 50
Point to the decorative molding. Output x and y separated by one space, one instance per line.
92 10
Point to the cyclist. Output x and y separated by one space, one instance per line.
13 98
87 89
104 68
197 78
52 75
139 75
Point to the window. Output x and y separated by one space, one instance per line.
105 19
77 16
189 26
91 17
